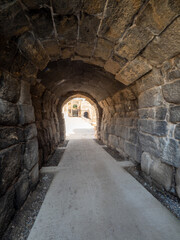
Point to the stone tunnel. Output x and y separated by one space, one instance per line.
122 55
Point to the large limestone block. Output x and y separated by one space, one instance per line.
33 50
10 160
8 113
25 96
151 21
34 176
171 92
133 70
7 210
103 49
21 190
154 127
113 65
10 136
151 98
66 7
174 113
118 15
26 114
162 174
9 87
31 154
170 151
164 46
93 7
177 132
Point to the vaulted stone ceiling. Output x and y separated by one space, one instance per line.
93 46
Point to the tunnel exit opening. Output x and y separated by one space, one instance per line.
80 118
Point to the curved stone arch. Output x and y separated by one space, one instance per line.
71 95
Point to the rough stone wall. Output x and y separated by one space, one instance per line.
159 113
19 169
142 123
48 120
119 128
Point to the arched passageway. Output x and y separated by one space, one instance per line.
123 55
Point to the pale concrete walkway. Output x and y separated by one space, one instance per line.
93 198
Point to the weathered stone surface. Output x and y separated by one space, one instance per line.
133 71
52 48
34 4
7 210
134 40
150 98
21 190
67 28
34 176
171 92
177 132
93 7
26 114
170 151
174 112
25 96
9 87
66 7
103 49
10 160
162 174
13 21
33 50
113 141
150 144
164 46
112 66
150 80
88 28
133 151
119 14
178 181
30 131
31 154
8 113
173 75
10 136
146 162
84 49
132 135
158 128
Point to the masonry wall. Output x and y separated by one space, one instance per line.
48 120
142 123
19 170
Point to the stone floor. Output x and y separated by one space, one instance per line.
92 197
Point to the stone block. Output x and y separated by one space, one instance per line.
132 135
9 87
173 75
10 136
177 177
33 50
65 7
7 210
150 98
150 144
150 80
162 174
174 113
114 65
146 162
93 7
103 49
25 96
177 132
8 113
31 154
113 141
30 131
160 113
21 190
133 151
26 114
170 151
165 46
10 160
133 70
118 17
34 176
158 128
171 92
